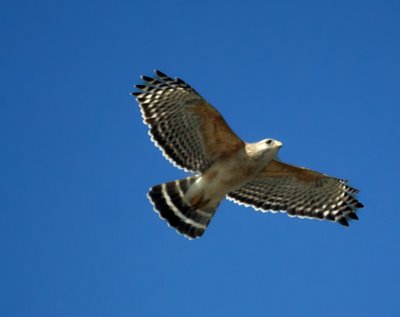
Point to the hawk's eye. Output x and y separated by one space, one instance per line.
269 141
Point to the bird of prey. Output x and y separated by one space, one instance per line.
194 136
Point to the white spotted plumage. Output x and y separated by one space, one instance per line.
193 136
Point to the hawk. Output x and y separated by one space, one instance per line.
194 136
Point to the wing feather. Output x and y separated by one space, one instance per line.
191 133
300 192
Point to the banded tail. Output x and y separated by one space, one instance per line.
168 201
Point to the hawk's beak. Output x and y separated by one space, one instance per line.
278 144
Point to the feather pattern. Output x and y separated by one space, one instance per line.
299 192
189 131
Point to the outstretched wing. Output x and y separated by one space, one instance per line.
189 131
299 192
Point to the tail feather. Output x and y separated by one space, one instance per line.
168 201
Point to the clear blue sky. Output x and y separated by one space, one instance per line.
77 234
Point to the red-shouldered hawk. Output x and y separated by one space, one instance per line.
193 136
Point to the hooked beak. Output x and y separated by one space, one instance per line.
278 144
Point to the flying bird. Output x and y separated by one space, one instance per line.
194 136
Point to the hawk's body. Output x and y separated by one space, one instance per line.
195 137
229 174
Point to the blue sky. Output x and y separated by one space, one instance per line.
77 234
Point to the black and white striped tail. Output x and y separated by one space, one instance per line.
168 202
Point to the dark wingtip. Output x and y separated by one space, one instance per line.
359 205
147 78
159 73
141 87
180 81
136 94
353 216
343 222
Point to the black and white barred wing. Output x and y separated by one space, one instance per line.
299 192
190 132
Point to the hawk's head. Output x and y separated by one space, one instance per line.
270 144
265 149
